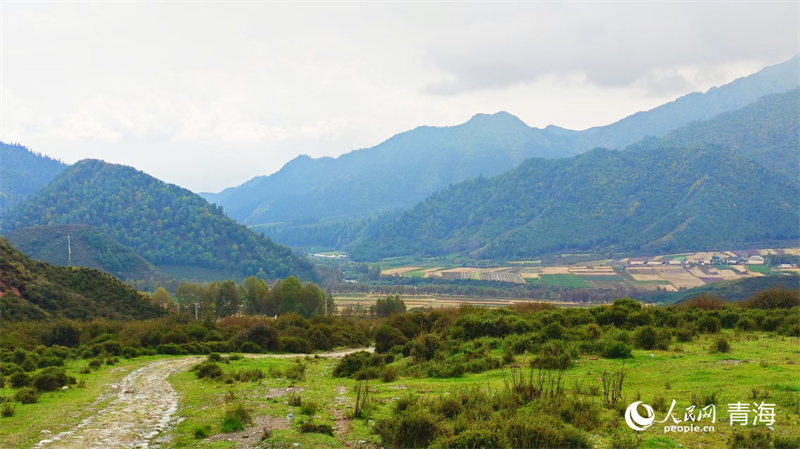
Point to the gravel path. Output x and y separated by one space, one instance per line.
141 407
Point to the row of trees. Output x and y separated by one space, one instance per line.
253 296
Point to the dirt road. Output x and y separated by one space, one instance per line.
140 408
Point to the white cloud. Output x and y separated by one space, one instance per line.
207 95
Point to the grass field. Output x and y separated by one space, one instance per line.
564 280
759 368
763 269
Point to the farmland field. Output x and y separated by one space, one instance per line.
564 280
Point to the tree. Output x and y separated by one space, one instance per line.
255 292
161 297
389 305
290 294
228 299
312 300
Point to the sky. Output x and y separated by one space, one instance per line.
207 95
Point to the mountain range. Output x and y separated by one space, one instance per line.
647 201
408 167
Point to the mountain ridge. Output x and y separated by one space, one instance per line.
382 177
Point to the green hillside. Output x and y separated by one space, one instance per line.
766 132
654 201
31 290
22 173
91 248
165 224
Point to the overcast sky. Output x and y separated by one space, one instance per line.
207 95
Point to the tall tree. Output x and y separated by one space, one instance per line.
228 299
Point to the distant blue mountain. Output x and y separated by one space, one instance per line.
23 173
410 166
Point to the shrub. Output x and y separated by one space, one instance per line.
774 298
7 409
684 335
250 348
309 408
235 419
444 369
416 430
617 350
750 440
625 440
786 442
554 355
170 349
214 357
645 337
208 370
129 352
389 374
296 345
27 396
19 380
709 324
545 431
296 371
50 379
294 400
746 324
474 438
262 334
63 333
352 363
200 433
721 345
308 427
387 337
449 407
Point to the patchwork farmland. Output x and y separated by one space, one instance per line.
665 272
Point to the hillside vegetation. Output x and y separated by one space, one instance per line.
766 132
665 200
31 290
22 173
165 224
91 248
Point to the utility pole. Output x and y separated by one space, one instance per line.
69 251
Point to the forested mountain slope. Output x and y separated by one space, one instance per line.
410 166
663 200
91 248
766 132
22 173
31 290
165 224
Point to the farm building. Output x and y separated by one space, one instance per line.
755 260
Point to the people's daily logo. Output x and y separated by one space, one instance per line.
740 413
635 420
